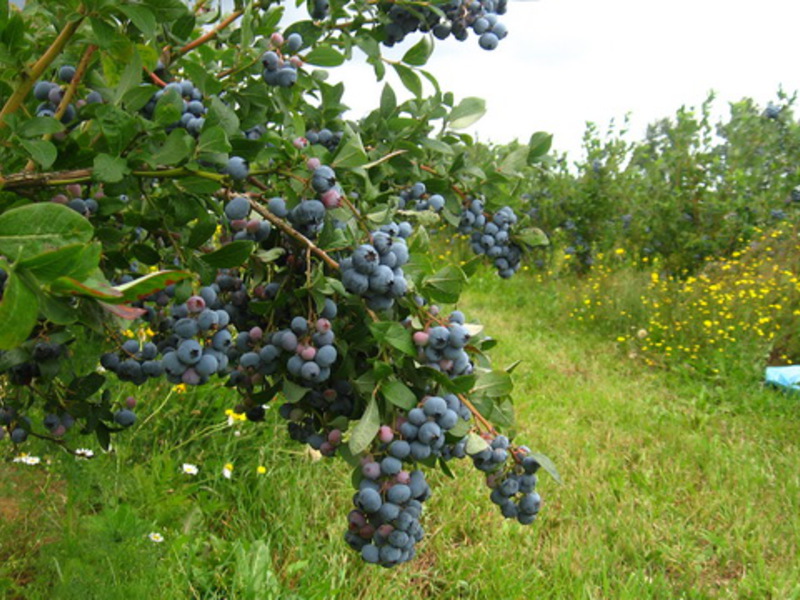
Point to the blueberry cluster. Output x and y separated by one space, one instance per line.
236 212
308 217
514 490
494 457
325 137
459 16
417 194
58 423
43 359
492 237
134 362
442 348
374 271
193 117
17 426
51 94
278 72
385 527
424 428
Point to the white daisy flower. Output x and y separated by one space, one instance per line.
84 453
190 469
155 537
227 471
26 459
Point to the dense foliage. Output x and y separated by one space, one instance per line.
182 201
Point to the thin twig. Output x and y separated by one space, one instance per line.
476 413
211 34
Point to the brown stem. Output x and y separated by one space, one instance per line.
462 194
292 232
155 78
211 34
23 180
361 222
35 71
69 94
476 413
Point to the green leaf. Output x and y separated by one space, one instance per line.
399 394
82 388
350 152
141 17
293 392
169 108
539 145
388 101
493 384
460 429
531 236
132 77
201 233
468 111
35 228
109 169
324 56
230 255
392 333
144 286
419 53
40 126
515 160
92 287
366 429
446 284
475 444
213 140
75 260
548 465
221 114
19 311
409 78
177 147
436 145
41 151
135 98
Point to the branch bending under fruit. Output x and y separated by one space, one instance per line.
293 233
68 94
476 413
38 68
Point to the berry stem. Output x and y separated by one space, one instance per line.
34 72
211 34
476 413
292 232
55 178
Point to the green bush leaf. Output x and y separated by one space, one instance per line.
468 111
230 255
367 428
446 284
40 126
392 333
419 53
399 394
409 78
41 151
19 310
109 169
75 260
548 465
35 228
532 236
539 145
144 286
493 384
324 56
177 147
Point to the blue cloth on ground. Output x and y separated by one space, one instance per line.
785 377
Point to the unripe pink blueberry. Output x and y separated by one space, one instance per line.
74 190
403 477
335 437
308 353
296 61
256 333
60 199
195 304
420 338
58 430
323 325
190 377
434 310
446 364
80 103
99 195
253 225
385 434
300 142
329 394
313 163
276 39
130 402
385 530
238 224
331 198
327 449
371 470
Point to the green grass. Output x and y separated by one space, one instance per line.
672 488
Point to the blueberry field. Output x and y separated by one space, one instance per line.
251 348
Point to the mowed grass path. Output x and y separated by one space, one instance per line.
672 488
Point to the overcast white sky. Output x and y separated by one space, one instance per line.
566 62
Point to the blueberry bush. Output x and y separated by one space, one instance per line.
182 201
